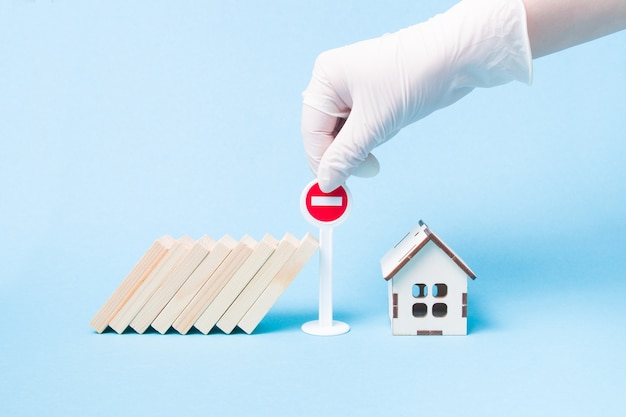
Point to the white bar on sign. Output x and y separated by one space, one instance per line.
326 201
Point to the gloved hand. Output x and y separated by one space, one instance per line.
362 94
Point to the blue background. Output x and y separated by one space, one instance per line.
124 121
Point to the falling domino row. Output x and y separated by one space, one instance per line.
182 283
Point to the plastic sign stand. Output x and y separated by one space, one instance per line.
325 210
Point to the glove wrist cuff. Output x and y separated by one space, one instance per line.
493 45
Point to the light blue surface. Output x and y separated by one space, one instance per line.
123 121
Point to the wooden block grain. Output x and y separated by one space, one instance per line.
170 286
308 246
285 249
214 285
133 280
236 284
127 313
194 283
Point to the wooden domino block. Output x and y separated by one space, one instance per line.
214 285
236 284
133 280
308 246
258 283
127 313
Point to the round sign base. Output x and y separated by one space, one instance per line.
316 329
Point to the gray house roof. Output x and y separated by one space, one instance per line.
410 245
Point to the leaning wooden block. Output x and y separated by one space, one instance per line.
127 313
236 284
133 280
258 284
214 285
171 284
308 246
194 283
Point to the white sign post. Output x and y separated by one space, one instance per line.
325 210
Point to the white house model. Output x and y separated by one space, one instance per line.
427 286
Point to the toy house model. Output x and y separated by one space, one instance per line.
427 286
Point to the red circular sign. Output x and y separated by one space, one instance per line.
326 208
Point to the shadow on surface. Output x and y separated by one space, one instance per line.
284 320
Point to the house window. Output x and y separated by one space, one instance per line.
420 310
420 290
439 309
440 290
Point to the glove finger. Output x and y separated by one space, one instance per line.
368 168
318 132
348 154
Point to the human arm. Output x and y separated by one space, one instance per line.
554 25
379 86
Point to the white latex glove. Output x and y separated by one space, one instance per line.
379 86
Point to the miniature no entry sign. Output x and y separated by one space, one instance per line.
325 209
